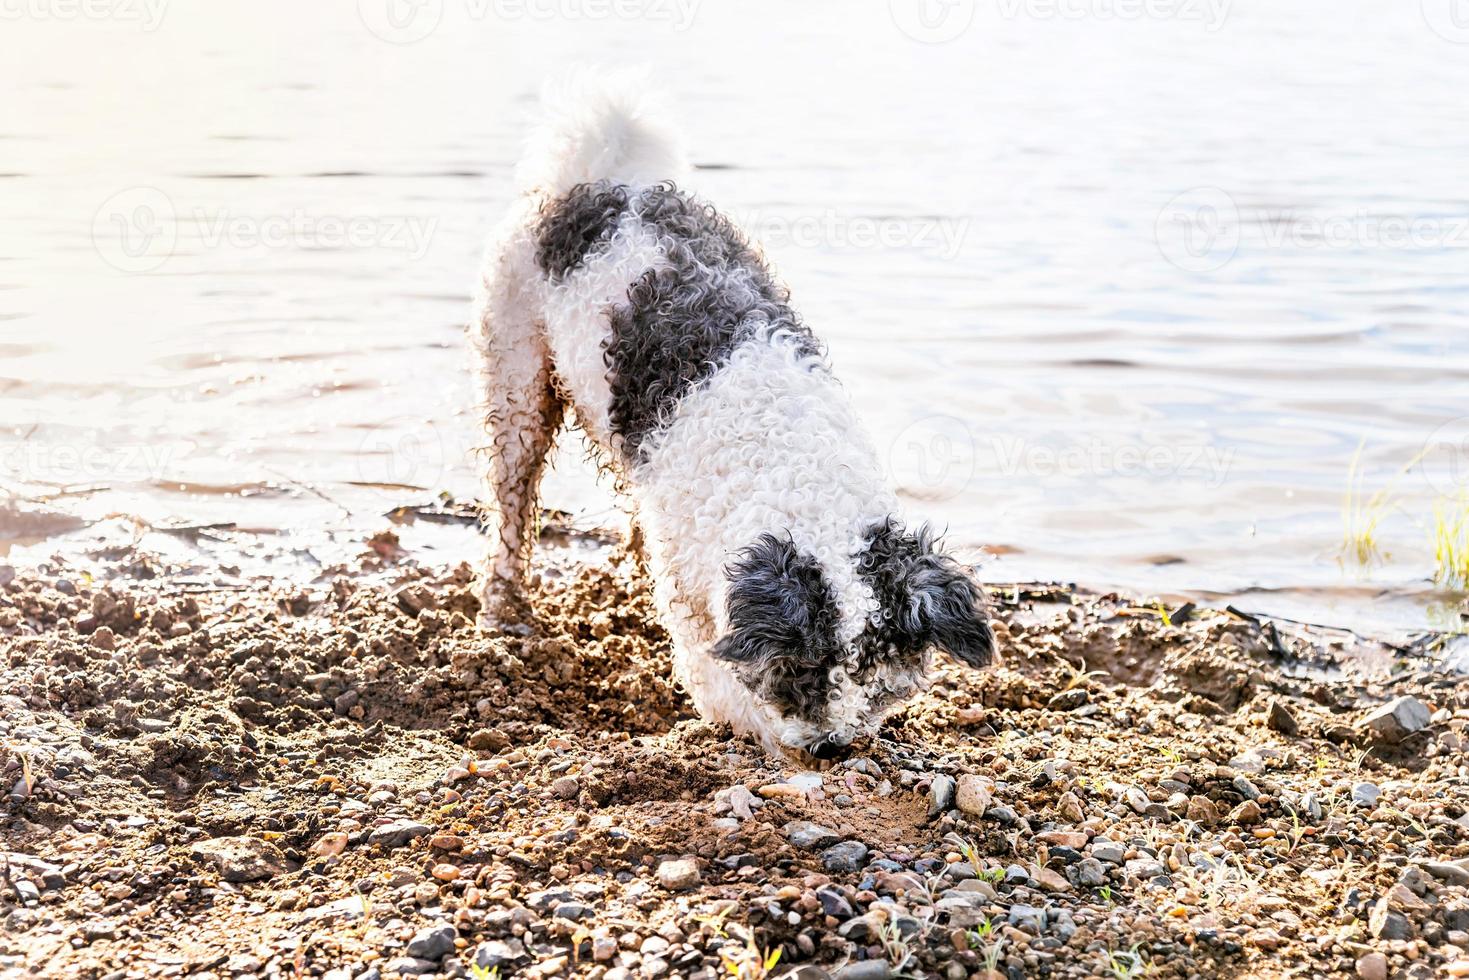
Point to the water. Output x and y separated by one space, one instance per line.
1119 296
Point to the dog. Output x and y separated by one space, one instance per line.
801 608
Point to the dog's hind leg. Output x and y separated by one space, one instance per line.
522 413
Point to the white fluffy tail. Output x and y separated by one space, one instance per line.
602 127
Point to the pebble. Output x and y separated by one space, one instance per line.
411 965
1063 838
1397 719
445 872
1384 923
864 970
330 844
432 942
496 953
1365 794
679 874
241 858
397 833
1281 720
808 835
1372 966
834 903
940 794
844 858
1109 851
1089 873
1247 812
566 788
1051 881
973 795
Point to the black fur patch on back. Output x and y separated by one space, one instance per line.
571 227
681 322
783 627
925 598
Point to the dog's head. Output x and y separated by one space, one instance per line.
825 670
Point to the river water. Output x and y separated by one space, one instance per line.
1119 287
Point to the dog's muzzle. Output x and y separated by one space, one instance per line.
830 746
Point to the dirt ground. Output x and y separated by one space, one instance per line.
350 781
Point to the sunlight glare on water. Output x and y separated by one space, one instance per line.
1118 296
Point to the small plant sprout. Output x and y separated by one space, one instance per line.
478 972
1171 754
1451 542
966 847
1363 513
1163 615
1106 892
989 946
1128 965
897 946
1077 674
749 962
27 773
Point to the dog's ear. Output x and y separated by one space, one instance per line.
925 597
947 603
779 605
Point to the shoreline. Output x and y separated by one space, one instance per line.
349 778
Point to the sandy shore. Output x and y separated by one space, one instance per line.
348 780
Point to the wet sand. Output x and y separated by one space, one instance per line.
346 779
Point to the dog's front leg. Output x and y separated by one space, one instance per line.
522 412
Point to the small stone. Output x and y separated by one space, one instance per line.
1454 874
1136 799
1366 794
864 970
572 911
7 575
496 953
1372 966
1245 788
603 948
1089 873
973 795
1063 838
1279 719
1109 851
1246 813
834 903
940 794
679 874
431 943
410 965
241 858
330 845
566 788
741 801
1069 809
1397 719
397 833
1051 881
808 835
445 872
844 858
1202 810
1384 923
1068 700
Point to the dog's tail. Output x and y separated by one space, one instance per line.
600 126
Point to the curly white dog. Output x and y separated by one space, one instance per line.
800 608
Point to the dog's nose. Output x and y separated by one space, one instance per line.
831 746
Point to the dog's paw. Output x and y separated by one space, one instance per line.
508 617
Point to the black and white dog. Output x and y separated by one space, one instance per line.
801 608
